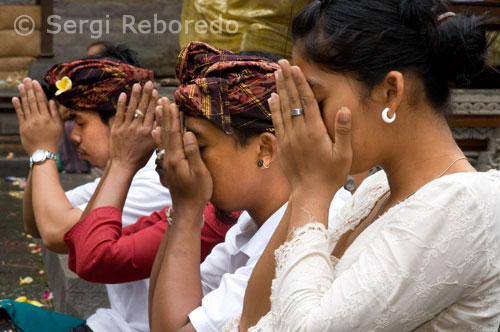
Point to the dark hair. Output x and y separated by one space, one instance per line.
123 54
103 44
368 39
266 55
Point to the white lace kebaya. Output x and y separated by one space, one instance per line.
430 263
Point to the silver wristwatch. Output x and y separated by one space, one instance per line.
39 156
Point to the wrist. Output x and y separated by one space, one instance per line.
183 215
123 168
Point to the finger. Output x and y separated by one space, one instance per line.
41 99
150 113
275 107
24 101
19 109
158 113
132 105
147 91
174 137
284 102
343 147
193 154
156 134
291 88
120 110
308 100
31 96
54 112
165 120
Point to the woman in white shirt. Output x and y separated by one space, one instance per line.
418 246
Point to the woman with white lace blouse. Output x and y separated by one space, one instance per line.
418 246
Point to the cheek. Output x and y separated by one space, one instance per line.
229 178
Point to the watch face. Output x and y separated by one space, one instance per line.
38 156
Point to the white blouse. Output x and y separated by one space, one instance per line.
430 263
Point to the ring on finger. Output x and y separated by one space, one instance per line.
297 112
160 154
138 114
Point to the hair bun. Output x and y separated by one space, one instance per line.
420 14
460 47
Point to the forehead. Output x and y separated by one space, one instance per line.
314 75
83 114
201 126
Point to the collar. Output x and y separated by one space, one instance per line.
252 240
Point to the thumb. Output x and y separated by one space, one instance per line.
192 152
343 147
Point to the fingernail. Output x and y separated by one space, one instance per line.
189 138
345 115
280 75
282 62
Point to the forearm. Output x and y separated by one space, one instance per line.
28 213
155 271
178 288
112 189
308 206
258 292
54 213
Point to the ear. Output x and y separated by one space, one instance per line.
268 148
391 90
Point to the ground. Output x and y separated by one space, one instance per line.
19 254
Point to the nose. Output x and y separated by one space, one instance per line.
75 136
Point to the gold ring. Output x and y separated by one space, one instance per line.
138 114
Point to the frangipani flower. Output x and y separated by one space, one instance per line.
63 85
25 281
25 300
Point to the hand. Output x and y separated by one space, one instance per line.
188 178
40 125
131 143
313 164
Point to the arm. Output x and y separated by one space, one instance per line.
177 285
131 146
40 126
412 268
28 213
258 292
307 200
101 251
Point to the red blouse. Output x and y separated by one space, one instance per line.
101 251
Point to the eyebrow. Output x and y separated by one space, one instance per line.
196 133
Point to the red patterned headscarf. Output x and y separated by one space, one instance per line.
229 90
96 83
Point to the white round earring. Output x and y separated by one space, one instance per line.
385 116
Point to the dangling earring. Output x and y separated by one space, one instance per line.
385 116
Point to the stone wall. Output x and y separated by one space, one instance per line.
157 51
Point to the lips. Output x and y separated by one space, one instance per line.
81 152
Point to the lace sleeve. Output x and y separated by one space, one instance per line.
405 272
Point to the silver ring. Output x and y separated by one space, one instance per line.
297 112
160 154
138 114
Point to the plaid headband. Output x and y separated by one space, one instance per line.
94 84
229 90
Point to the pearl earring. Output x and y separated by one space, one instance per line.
385 116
